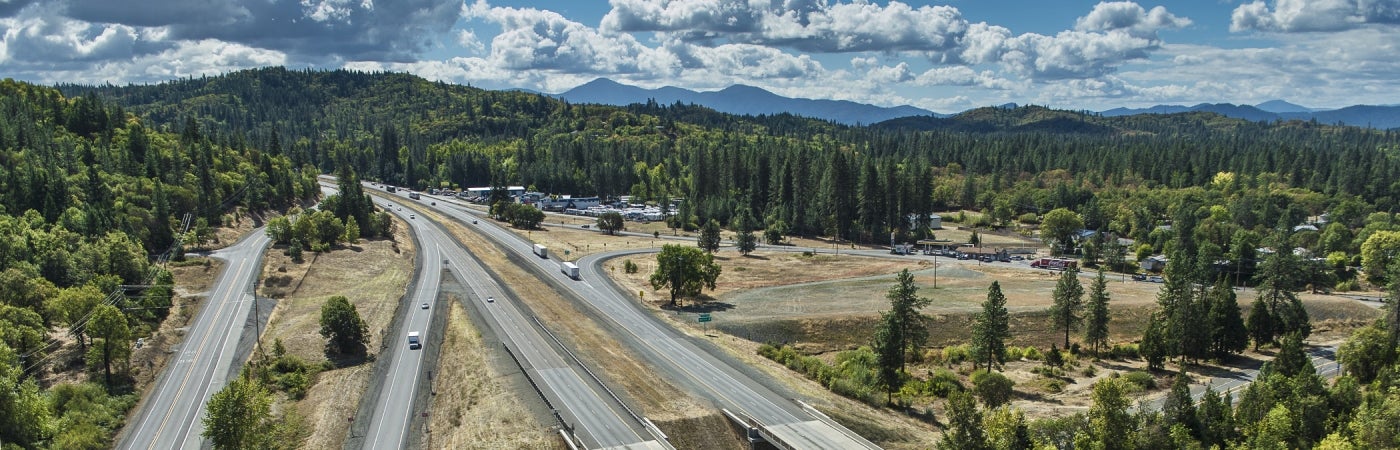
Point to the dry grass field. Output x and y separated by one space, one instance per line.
373 275
474 408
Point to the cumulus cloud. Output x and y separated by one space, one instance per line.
1131 17
1313 15
963 76
533 39
40 38
1113 32
311 29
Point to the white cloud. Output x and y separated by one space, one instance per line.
1313 15
963 76
1110 16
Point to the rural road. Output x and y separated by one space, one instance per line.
597 420
172 415
730 388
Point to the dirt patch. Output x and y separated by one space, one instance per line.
373 275
474 408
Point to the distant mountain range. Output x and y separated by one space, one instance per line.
1382 117
740 99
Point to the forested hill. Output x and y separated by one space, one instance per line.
815 177
90 198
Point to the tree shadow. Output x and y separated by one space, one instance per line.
699 307
753 256
349 359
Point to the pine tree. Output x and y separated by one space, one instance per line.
1154 345
964 424
888 343
745 240
1179 408
1067 312
991 330
1096 315
905 304
1260 323
709 236
1227 331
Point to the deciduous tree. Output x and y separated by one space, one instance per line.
685 270
237 416
342 325
610 222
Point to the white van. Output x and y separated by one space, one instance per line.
413 342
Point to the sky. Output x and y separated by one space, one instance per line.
944 56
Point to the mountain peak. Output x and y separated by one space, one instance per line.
1280 106
739 99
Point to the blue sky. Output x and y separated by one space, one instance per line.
944 56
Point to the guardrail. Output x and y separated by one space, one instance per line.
650 427
564 428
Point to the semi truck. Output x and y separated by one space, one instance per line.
569 269
541 251
1054 263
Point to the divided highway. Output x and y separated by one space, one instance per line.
597 421
172 416
780 418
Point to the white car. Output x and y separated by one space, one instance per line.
425 306
490 299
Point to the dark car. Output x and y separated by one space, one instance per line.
1139 277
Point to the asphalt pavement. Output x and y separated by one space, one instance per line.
595 419
731 388
172 415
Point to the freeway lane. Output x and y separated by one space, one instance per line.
597 421
394 407
728 387
171 417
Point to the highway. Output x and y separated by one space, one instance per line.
597 421
172 415
780 418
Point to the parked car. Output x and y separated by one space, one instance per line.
1139 277
1156 279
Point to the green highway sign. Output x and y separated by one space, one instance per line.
704 317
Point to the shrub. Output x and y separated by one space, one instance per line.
944 382
1013 354
1347 286
629 266
1141 379
956 354
1033 354
992 388
1089 371
1029 219
1124 351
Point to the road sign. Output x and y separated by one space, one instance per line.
704 317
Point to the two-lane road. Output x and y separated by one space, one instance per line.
172 416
